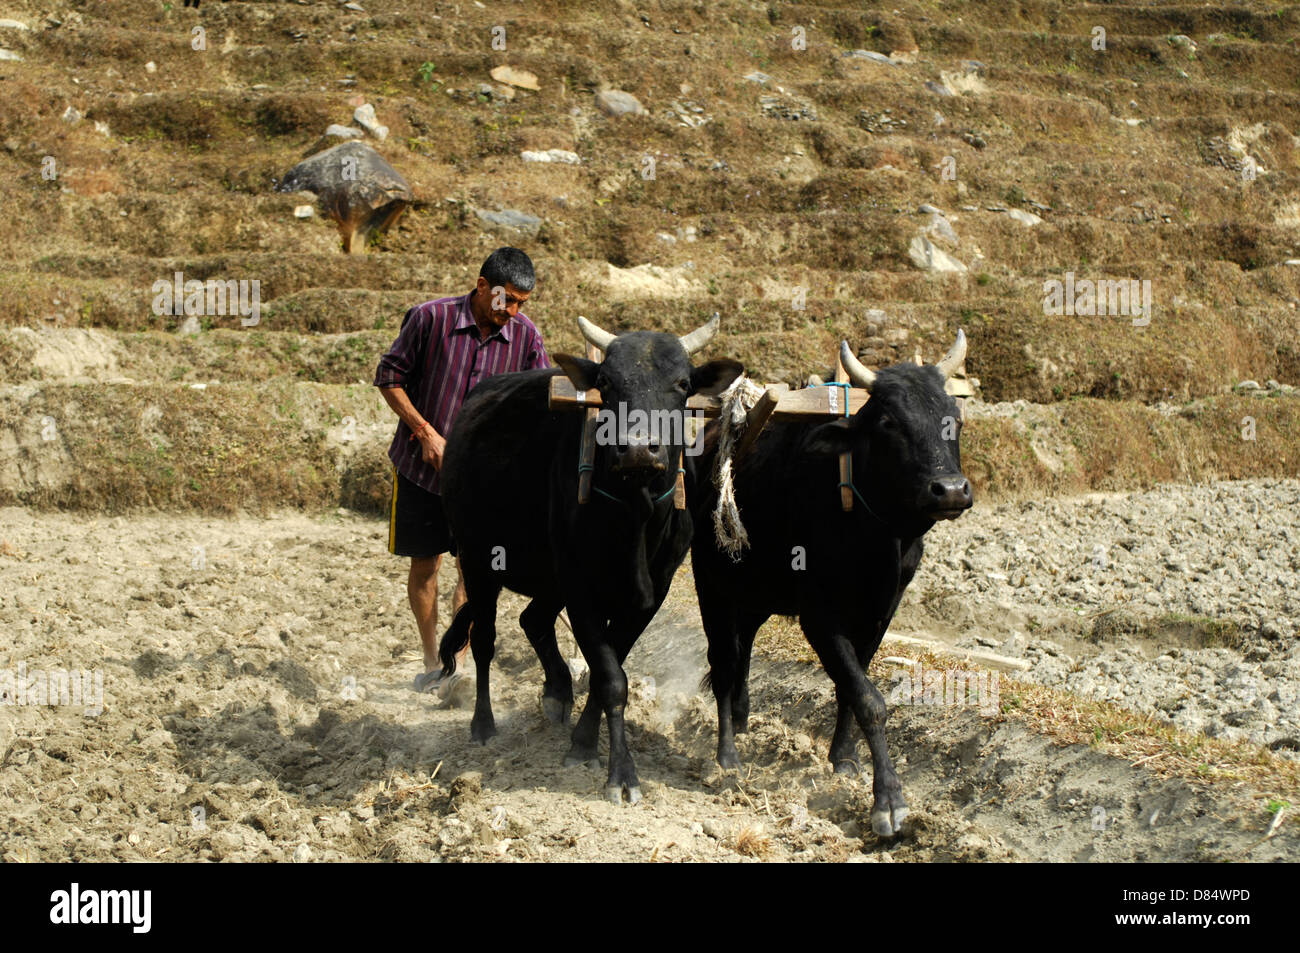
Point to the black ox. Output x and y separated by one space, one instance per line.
842 573
510 489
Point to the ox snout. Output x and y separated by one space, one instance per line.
948 497
638 459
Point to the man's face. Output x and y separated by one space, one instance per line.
503 303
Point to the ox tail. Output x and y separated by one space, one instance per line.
455 639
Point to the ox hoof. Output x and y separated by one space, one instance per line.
482 731
887 823
729 760
556 711
614 793
848 766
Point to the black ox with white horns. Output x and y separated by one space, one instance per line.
510 490
842 573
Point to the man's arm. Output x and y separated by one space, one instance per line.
396 368
432 442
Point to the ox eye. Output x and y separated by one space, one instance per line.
886 422
683 385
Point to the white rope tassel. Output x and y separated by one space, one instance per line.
737 401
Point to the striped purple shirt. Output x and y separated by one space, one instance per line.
437 357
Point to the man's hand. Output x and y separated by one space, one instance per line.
434 446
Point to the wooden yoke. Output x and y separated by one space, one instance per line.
836 396
587 455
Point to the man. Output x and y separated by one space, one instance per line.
444 348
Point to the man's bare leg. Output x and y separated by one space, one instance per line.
422 591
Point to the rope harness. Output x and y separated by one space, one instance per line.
584 467
737 401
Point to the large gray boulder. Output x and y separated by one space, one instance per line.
355 187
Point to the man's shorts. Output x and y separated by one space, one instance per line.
417 525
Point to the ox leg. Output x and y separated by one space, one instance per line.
609 685
720 630
589 632
844 748
749 626
538 622
483 591
623 633
868 705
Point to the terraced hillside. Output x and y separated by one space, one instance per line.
775 175
881 173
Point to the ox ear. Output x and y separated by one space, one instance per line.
833 438
579 370
716 376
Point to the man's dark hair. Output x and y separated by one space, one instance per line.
509 265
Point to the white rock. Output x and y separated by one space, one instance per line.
72 115
13 25
343 132
101 127
927 257
151 67
10 55
551 155
365 118
615 102
1024 218
302 854
304 211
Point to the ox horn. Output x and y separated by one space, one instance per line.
697 339
859 373
953 359
597 337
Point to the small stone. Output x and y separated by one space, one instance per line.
343 132
552 155
12 25
151 67
11 56
302 854
515 77
616 102
756 77
927 257
354 7
365 118
1024 218
72 115
870 55
511 218
1247 385
303 211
